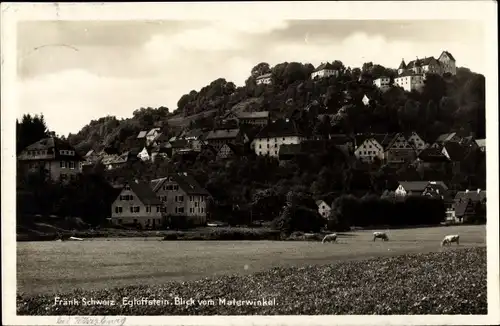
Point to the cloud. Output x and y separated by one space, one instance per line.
71 98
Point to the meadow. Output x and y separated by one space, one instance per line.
97 264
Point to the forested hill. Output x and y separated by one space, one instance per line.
446 103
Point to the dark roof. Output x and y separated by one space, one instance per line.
402 65
431 154
323 66
414 185
53 146
209 148
455 151
445 137
290 150
360 138
223 134
408 73
472 195
236 149
193 134
253 115
179 143
449 54
279 128
438 189
185 181
420 62
481 142
462 200
340 139
144 192
264 76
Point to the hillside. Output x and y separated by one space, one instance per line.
448 103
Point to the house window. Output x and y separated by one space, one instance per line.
181 198
127 187
137 209
118 209
131 209
180 210
148 209
158 209
176 210
176 187
202 209
196 204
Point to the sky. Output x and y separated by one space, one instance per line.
77 71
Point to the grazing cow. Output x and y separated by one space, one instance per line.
449 239
330 238
380 235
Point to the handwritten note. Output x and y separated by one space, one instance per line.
91 320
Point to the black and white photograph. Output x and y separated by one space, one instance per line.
284 159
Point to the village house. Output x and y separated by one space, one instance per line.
219 137
369 147
57 157
194 138
142 134
416 142
445 138
481 144
323 208
174 147
207 153
137 205
466 204
325 70
411 188
160 139
151 135
250 118
144 154
272 136
365 100
229 150
92 156
265 79
183 197
399 150
383 83
432 158
288 152
159 151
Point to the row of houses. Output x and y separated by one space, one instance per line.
459 208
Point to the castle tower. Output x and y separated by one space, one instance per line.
402 67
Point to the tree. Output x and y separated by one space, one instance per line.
30 130
260 69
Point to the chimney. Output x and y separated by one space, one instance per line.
478 190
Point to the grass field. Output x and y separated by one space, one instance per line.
59 267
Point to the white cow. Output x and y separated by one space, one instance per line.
380 235
330 238
450 238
